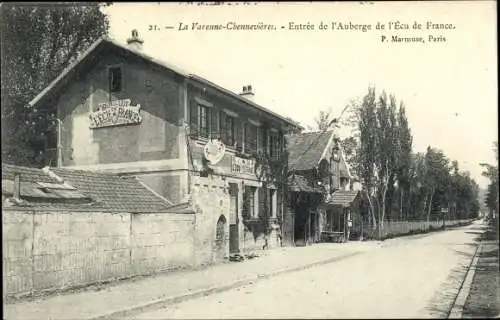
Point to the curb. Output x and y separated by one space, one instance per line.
163 302
458 306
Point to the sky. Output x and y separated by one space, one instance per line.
449 87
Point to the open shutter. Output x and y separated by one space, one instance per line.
239 134
262 140
214 126
193 118
262 202
222 126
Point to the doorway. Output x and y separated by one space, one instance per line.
234 244
220 238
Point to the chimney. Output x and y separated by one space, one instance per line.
247 93
16 193
134 42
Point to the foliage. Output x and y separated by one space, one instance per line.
491 172
38 42
384 161
323 120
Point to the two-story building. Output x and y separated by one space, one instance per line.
188 139
322 192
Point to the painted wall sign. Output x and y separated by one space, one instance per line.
214 151
241 165
115 113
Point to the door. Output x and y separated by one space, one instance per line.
234 245
220 238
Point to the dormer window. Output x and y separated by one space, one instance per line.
115 79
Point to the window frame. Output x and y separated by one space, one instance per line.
251 206
230 131
203 134
110 69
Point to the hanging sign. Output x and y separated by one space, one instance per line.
241 165
214 151
115 113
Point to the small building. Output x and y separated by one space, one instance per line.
122 111
66 228
319 184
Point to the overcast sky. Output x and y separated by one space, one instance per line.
449 88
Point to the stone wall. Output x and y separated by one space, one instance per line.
51 250
210 198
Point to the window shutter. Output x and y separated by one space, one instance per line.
263 140
214 128
193 118
262 202
222 126
239 134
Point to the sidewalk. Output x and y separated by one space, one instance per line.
132 297
483 300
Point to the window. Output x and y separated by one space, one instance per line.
203 121
250 201
250 138
115 79
227 129
213 125
262 139
239 131
274 145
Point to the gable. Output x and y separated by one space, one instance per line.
305 150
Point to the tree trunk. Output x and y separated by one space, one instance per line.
372 213
425 204
429 208
401 204
382 210
408 204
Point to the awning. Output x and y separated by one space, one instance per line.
342 198
299 183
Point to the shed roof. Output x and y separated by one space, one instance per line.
69 189
342 198
113 192
40 186
299 183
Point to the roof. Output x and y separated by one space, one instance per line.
344 170
41 187
69 189
66 74
298 183
342 198
306 149
114 192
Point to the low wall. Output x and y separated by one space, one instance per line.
396 228
54 250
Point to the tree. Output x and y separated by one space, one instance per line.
437 177
491 172
404 158
367 150
38 42
349 146
323 120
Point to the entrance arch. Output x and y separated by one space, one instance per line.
220 238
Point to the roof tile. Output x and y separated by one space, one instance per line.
305 149
114 192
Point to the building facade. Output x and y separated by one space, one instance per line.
188 139
322 193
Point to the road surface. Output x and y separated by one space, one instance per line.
415 276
